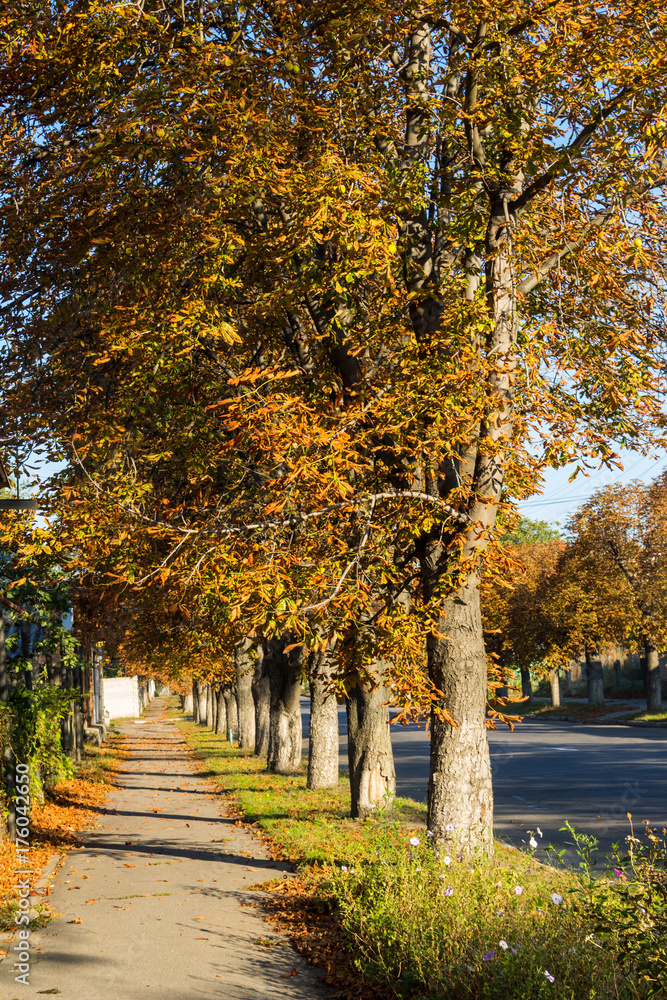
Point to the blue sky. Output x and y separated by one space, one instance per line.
560 498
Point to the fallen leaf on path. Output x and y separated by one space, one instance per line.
286 975
125 865
77 920
54 990
90 900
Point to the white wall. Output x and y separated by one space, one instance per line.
126 697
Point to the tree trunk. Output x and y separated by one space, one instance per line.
526 685
214 708
232 713
369 750
201 688
221 712
209 706
285 729
261 695
246 707
195 701
187 703
594 680
460 796
554 681
653 682
323 740
78 721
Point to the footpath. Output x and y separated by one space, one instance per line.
157 902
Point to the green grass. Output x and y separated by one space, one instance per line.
415 924
647 716
571 711
306 826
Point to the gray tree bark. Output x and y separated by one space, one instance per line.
653 681
221 712
214 707
187 703
526 685
231 710
554 682
285 729
203 702
245 668
324 740
594 680
209 706
261 695
460 796
370 754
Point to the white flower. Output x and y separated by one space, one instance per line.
539 831
532 842
343 868
549 976
449 827
518 889
447 859
414 841
503 944
417 869
429 834
556 898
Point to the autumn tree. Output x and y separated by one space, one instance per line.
336 286
622 531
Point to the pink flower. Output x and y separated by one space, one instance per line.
549 976
449 891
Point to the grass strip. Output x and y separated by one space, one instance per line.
388 914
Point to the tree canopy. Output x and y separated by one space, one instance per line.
308 294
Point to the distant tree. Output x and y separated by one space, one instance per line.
530 532
622 532
516 629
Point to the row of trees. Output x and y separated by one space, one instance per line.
307 296
604 587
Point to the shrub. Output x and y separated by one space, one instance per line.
425 924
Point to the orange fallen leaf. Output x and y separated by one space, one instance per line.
77 920
90 900
286 975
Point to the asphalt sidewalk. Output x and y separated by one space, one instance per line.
156 904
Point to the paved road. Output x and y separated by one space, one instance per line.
156 904
547 772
